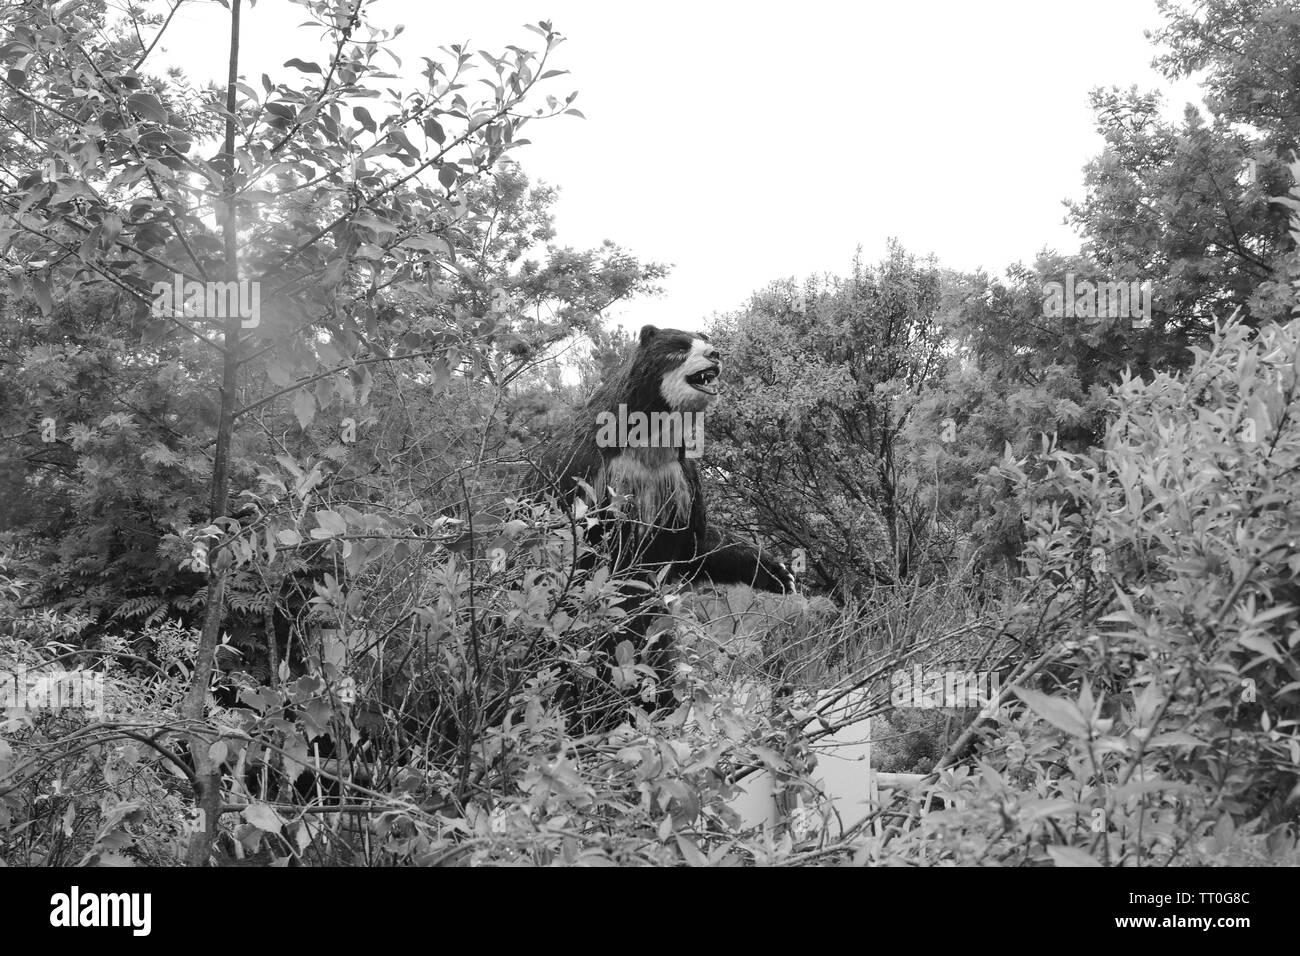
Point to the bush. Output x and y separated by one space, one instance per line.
1158 708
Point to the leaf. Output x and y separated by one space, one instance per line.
1223 831
13 49
112 228
218 752
279 375
263 817
331 522
334 273
375 223
690 852
402 140
324 392
303 65
148 106
382 149
448 175
304 407
309 481
428 243
41 290
1261 644
291 466
1070 856
1056 711
289 537
364 118
433 129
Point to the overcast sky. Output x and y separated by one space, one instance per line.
748 142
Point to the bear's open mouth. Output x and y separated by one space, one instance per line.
703 380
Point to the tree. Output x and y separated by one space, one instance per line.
339 231
805 448
1189 206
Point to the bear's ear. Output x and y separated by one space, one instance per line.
647 333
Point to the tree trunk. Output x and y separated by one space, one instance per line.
208 774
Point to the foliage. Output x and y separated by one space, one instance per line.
1189 205
330 631
804 450
1163 632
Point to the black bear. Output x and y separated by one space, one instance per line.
634 443
638 436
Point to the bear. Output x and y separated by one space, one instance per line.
634 444
671 379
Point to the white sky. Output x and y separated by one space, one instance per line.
749 142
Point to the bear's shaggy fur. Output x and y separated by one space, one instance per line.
666 522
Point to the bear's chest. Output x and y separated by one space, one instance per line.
659 488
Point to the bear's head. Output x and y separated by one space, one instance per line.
680 367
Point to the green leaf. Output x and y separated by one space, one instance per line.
279 375
375 223
1057 711
263 817
41 290
14 49
328 354
148 106
334 273
303 65
331 522
1261 644
304 407
690 852
324 392
427 243
401 139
